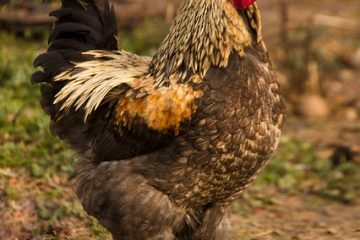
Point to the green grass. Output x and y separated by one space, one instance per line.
296 167
24 135
27 146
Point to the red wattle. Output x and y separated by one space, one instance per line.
242 4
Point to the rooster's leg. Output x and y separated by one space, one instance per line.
215 224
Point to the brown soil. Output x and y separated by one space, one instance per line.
299 217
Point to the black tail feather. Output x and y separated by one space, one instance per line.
79 27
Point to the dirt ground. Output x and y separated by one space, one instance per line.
300 217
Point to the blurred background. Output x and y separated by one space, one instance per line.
311 189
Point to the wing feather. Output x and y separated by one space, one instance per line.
89 83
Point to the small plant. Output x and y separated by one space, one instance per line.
297 167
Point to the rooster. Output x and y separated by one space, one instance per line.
165 142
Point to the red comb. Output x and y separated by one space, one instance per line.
242 4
